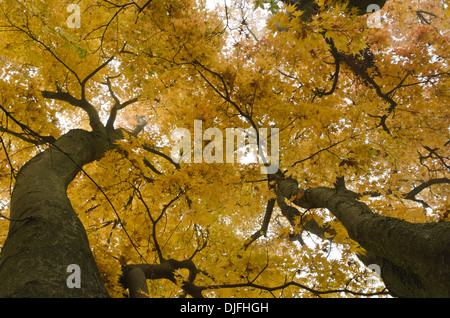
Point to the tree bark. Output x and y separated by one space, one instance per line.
134 277
414 258
45 235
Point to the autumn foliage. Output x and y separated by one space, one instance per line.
370 105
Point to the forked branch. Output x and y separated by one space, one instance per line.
94 118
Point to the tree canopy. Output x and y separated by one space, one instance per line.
359 109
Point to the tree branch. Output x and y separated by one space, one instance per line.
134 277
141 123
432 152
118 106
422 18
228 99
63 96
335 76
41 141
94 118
411 195
292 283
151 149
86 79
33 37
265 225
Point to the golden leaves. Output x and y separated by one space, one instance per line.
274 81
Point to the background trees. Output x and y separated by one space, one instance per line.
363 127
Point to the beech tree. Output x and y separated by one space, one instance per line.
95 204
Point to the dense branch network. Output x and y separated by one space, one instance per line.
81 102
135 275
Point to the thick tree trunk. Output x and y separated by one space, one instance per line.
45 234
414 258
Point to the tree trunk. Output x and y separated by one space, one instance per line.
414 258
45 235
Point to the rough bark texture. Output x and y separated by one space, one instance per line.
414 258
45 234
